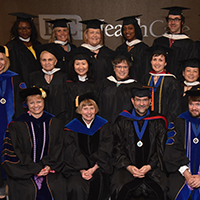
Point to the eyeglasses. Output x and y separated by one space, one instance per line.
122 67
24 28
176 20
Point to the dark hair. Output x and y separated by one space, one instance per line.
193 98
158 54
74 76
121 58
14 30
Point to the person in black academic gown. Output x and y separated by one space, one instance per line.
94 46
139 140
81 81
33 152
191 79
22 54
88 145
166 86
114 92
52 79
181 45
60 41
134 46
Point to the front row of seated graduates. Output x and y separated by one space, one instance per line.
93 159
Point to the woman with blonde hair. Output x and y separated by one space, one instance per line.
88 146
60 41
93 45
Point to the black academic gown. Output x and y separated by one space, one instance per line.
72 90
83 151
113 99
102 64
126 152
18 157
166 97
22 60
55 103
138 57
180 50
64 56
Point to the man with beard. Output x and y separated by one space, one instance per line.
182 153
139 139
181 45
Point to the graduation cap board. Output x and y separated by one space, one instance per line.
93 23
175 10
195 91
140 90
129 20
85 96
192 62
60 22
21 16
33 91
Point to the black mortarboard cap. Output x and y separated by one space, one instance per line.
140 90
195 91
59 22
93 23
192 62
51 48
2 49
122 55
175 10
23 16
129 20
132 20
158 49
89 95
33 91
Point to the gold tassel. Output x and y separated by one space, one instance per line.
6 51
76 101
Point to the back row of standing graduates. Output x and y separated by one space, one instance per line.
67 72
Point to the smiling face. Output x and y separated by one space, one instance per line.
121 70
88 113
2 62
93 36
62 34
81 67
191 74
48 61
35 105
129 32
174 24
158 63
24 29
141 104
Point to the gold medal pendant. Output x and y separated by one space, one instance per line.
140 143
3 101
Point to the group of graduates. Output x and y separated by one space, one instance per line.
89 123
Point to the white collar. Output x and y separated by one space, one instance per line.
162 74
60 42
90 47
133 42
113 79
88 125
51 72
191 84
82 78
25 40
175 36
